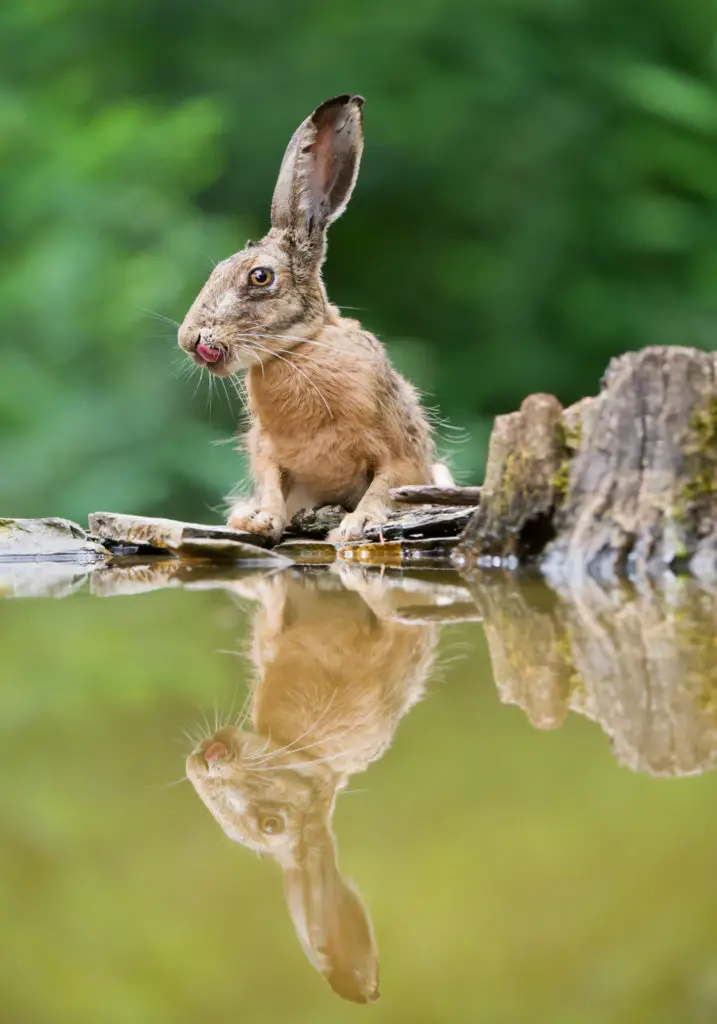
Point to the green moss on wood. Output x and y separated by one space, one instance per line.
568 439
701 459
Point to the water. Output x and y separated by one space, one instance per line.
506 820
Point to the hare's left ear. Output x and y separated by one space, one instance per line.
319 169
330 918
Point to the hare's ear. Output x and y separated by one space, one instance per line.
331 921
320 168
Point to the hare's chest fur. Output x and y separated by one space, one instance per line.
320 416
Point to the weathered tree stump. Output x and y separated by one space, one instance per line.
521 485
623 482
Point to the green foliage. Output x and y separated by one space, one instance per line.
539 192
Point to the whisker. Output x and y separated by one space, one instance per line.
245 710
223 382
199 381
210 393
161 316
168 785
299 764
339 736
216 443
301 373
192 738
296 338
298 739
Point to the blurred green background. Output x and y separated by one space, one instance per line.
538 193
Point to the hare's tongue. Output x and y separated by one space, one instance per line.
209 355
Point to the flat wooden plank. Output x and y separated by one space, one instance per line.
422 494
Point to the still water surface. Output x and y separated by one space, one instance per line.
511 819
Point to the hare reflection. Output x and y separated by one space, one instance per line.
334 677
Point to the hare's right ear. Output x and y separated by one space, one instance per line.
319 169
331 920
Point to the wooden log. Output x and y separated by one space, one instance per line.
406 524
421 523
625 482
420 494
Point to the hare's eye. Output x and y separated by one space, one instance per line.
272 824
261 277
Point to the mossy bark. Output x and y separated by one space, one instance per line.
625 483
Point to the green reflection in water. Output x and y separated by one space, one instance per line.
509 874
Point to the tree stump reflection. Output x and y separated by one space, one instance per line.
642 663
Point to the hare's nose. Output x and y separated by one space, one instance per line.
215 750
188 338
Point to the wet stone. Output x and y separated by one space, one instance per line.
223 548
53 539
190 539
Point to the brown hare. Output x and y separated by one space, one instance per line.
331 421
333 681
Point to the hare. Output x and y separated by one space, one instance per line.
331 421
320 714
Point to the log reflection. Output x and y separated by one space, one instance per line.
641 663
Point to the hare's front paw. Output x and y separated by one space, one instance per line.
352 526
263 522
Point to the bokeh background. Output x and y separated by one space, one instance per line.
538 193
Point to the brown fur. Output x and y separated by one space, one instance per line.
333 681
331 420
